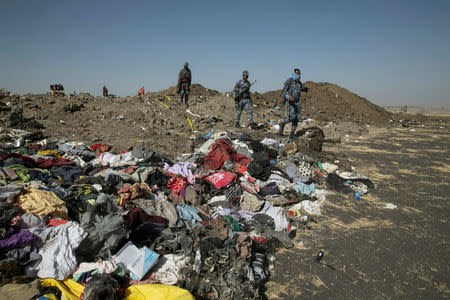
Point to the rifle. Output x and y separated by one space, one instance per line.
239 93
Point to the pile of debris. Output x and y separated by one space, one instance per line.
86 221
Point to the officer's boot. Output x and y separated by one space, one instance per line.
280 132
291 136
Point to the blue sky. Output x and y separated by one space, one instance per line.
391 52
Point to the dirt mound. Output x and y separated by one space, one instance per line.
197 90
158 121
329 102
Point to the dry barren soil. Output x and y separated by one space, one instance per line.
374 252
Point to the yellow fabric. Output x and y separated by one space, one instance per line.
156 292
49 153
70 289
42 203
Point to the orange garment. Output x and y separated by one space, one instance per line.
141 91
56 222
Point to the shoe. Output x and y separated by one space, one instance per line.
280 132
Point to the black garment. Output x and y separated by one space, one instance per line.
270 189
259 168
335 182
38 175
7 213
47 291
114 181
68 174
158 178
102 286
256 146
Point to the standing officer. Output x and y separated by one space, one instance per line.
241 95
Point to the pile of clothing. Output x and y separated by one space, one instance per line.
205 224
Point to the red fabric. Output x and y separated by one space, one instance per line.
141 92
47 163
259 239
222 151
221 179
176 184
242 169
138 216
101 147
56 222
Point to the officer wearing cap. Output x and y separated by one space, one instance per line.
184 83
241 95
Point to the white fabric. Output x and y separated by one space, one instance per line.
279 216
58 258
217 199
168 267
310 207
76 159
115 160
281 182
269 141
349 175
206 147
103 266
330 168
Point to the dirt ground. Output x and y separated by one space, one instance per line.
372 252
160 122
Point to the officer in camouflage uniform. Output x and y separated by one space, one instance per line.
184 83
291 94
241 95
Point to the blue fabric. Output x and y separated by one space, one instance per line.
188 213
293 114
295 77
305 189
247 104
242 89
292 88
